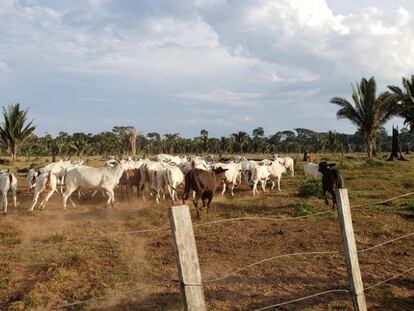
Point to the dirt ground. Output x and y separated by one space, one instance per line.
41 268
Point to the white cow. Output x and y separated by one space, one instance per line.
171 159
246 168
7 182
87 177
146 171
59 169
260 173
311 170
231 177
46 182
169 177
276 170
198 163
288 162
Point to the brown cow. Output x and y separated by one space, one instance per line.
204 184
331 180
130 179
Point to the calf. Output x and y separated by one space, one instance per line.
204 184
331 180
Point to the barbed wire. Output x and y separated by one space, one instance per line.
335 291
259 218
102 236
267 260
389 279
212 280
304 298
118 293
384 201
97 237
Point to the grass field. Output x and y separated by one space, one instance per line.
38 271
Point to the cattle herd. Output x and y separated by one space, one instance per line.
200 176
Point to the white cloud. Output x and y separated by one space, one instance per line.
223 97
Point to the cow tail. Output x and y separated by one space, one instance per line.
48 180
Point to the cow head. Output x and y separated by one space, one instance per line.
325 166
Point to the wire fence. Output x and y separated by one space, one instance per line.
334 291
228 275
197 225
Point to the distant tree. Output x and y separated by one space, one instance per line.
204 138
15 130
333 141
170 140
128 135
368 112
406 99
81 143
258 132
241 138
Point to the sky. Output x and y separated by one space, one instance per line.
182 66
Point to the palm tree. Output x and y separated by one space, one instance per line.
406 99
368 112
241 138
258 132
15 130
333 141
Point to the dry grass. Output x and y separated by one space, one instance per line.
46 277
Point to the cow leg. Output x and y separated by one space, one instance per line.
4 201
47 197
232 190
210 198
326 197
195 201
255 186
14 190
278 182
35 198
67 195
333 199
263 183
224 189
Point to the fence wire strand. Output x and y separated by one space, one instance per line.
97 237
389 279
304 298
118 293
384 201
212 280
102 236
335 291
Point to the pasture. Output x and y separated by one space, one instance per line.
41 268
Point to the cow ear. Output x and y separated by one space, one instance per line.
331 164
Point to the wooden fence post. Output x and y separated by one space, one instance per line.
350 250
187 258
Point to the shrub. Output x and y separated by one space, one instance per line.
303 209
407 206
311 187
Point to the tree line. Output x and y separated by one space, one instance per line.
367 110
